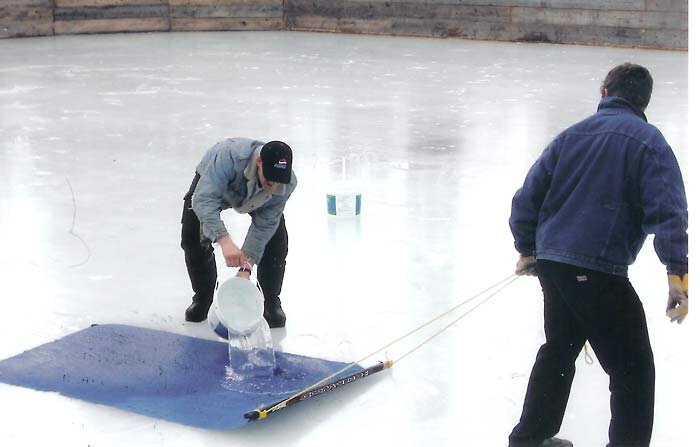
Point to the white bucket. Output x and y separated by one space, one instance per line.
344 200
237 308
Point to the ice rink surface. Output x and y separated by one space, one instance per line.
99 138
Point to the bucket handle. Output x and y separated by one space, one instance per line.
250 278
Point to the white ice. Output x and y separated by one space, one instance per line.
99 138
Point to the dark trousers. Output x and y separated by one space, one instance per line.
580 305
201 264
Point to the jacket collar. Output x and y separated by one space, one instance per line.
617 104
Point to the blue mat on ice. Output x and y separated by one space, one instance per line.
168 376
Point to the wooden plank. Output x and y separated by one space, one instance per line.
667 5
111 12
83 3
578 17
601 35
111 25
422 10
25 29
227 24
279 3
24 18
226 11
428 28
620 5
312 23
8 5
327 8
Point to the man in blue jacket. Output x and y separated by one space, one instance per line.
254 178
579 221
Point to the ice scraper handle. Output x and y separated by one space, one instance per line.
677 307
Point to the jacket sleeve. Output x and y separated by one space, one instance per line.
207 198
665 208
263 226
527 201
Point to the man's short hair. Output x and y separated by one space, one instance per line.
631 82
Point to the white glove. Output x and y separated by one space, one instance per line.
526 266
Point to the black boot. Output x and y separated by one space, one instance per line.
273 314
197 311
204 285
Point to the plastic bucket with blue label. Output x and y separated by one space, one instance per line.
237 308
344 201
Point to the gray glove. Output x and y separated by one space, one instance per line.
526 266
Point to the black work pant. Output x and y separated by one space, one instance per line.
580 305
201 264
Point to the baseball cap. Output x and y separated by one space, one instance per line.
276 159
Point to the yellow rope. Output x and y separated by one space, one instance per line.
458 318
263 413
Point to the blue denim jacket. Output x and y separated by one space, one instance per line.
596 192
228 180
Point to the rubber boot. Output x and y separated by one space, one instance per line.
198 310
273 314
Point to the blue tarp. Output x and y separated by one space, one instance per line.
168 376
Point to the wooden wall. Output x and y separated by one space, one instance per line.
110 16
220 15
23 18
19 18
647 23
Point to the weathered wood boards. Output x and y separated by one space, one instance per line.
23 18
108 16
649 23
45 17
653 23
221 15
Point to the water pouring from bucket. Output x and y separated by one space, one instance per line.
237 315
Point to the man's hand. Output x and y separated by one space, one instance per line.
677 308
526 266
234 256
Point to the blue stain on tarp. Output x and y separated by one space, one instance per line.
159 374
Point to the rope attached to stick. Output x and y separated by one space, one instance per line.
500 285
511 279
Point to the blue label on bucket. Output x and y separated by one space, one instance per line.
344 204
330 204
221 330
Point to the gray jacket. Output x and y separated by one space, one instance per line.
229 180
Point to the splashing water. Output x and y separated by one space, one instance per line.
251 354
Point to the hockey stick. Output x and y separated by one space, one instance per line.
308 394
